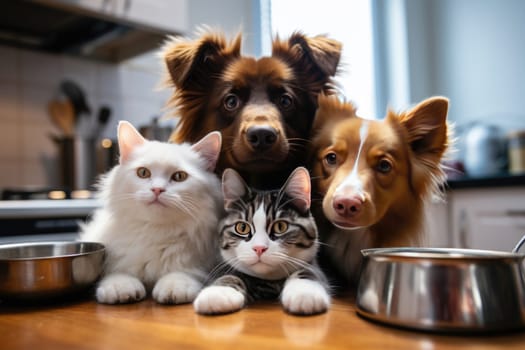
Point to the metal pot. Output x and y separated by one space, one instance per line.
452 290
42 270
485 150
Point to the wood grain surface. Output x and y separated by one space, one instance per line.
84 324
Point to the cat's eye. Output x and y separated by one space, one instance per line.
242 228
231 102
331 158
279 227
179 176
384 166
143 172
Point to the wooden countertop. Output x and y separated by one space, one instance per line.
84 324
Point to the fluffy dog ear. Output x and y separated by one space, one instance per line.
427 130
193 62
426 124
314 58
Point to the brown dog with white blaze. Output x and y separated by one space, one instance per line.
374 176
263 107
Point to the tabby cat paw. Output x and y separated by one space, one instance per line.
120 289
176 288
305 297
218 300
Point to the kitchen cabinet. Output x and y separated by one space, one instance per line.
487 218
437 231
477 218
103 30
158 15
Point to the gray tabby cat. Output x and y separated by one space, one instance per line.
269 246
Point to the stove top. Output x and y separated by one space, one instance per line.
44 193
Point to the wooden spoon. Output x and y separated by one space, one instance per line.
63 116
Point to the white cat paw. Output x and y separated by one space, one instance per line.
176 288
305 297
218 300
120 289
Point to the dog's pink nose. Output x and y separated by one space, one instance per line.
261 137
259 249
157 190
347 205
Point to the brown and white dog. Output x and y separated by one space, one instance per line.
374 176
263 107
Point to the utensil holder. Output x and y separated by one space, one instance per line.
77 162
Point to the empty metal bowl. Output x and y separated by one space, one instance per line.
443 290
50 269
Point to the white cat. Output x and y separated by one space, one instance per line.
161 207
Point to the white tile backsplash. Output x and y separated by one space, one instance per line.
40 69
10 134
34 100
81 72
9 64
9 101
30 80
11 173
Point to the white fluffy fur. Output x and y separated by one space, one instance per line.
306 297
166 244
218 300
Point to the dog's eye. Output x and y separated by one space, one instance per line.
331 158
384 166
231 102
286 101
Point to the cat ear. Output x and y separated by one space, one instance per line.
209 148
128 139
298 188
233 187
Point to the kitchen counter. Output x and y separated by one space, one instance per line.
503 180
84 324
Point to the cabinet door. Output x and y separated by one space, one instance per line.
488 218
437 229
170 16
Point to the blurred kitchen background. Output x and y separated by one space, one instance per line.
101 54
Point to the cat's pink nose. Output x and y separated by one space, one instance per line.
157 190
259 249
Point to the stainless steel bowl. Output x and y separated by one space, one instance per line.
452 290
42 270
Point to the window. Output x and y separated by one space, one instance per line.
349 22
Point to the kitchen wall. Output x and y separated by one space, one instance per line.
473 52
29 80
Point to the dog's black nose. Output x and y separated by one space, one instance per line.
261 137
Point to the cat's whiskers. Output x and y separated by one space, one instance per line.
296 264
224 267
184 203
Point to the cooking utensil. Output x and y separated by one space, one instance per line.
76 95
63 116
78 163
443 290
104 113
51 269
